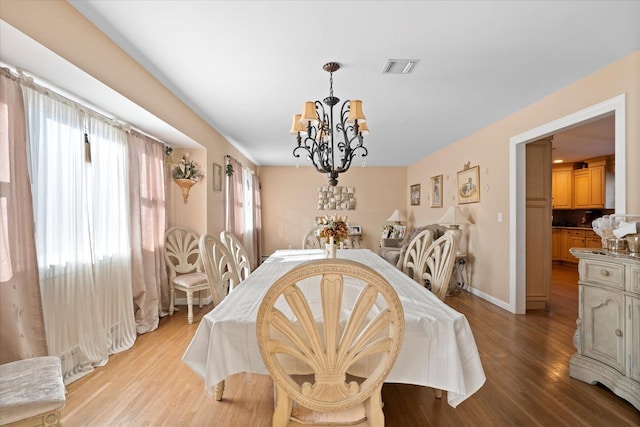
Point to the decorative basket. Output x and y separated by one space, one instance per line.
185 185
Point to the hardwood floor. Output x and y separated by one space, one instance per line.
525 358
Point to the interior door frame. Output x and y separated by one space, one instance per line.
517 189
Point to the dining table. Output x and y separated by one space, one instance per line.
438 349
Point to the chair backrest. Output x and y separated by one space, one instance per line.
181 251
440 258
219 266
357 338
238 253
415 257
312 239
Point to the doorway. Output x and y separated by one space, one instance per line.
517 191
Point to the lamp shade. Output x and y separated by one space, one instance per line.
397 216
309 114
453 217
296 126
362 128
355 112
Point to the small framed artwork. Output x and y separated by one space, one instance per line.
355 230
436 191
217 177
469 185
399 231
415 194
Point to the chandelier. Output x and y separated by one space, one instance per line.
330 145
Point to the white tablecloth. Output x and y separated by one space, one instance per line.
438 349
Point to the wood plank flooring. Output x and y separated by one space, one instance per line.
525 358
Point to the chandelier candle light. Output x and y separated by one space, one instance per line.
323 136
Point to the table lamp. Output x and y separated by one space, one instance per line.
397 217
453 218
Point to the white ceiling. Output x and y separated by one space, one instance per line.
247 66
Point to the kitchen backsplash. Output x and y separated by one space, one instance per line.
578 217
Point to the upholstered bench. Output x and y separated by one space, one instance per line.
31 392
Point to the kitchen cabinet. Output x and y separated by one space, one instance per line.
607 338
562 187
570 238
556 244
591 185
592 240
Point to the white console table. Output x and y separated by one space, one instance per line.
607 338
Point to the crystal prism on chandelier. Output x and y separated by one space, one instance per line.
330 145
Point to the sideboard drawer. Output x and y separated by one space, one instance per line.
607 274
633 279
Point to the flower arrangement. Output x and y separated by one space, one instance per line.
336 227
187 169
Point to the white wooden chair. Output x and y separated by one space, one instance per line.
329 353
415 257
440 258
185 269
431 264
238 253
219 266
312 239
221 272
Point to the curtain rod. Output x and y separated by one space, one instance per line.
27 80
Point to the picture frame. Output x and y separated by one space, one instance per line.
415 194
399 231
355 230
217 177
435 184
468 188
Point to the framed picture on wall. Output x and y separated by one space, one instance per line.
436 191
415 194
469 185
217 177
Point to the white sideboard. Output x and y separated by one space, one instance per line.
607 338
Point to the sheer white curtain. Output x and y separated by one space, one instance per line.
82 243
248 238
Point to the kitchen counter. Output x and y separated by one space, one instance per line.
588 252
573 227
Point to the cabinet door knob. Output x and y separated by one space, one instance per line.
618 333
604 272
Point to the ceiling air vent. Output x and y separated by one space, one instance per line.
400 66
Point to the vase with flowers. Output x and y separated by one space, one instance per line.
186 173
335 231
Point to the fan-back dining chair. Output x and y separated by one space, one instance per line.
415 257
238 253
440 258
312 239
185 268
221 272
432 264
329 358
219 266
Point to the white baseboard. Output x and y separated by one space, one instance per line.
503 305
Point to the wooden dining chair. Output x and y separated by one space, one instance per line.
219 267
431 264
312 239
327 369
182 257
238 253
415 257
440 258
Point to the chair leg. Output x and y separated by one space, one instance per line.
373 408
200 298
172 299
190 307
282 413
218 390
438 393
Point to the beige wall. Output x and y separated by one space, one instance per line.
289 202
488 239
62 29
